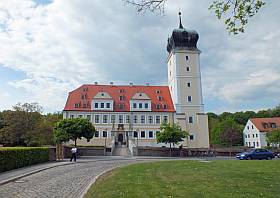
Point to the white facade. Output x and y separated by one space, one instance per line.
184 81
253 137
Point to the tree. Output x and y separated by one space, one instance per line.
73 129
235 13
171 134
226 132
273 137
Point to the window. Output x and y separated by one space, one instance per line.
151 134
113 118
253 135
191 137
96 118
108 105
157 119
190 119
188 84
256 135
140 105
105 119
165 119
89 117
105 134
187 58
257 143
121 90
77 105
252 126
254 144
245 136
158 106
249 144
134 105
150 119
102 105
135 134
143 134
96 134
120 118
95 105
157 91
143 119
248 127
80 116
83 97
159 98
135 119
72 116
188 68
121 97
189 98
164 106
248 135
146 105
127 119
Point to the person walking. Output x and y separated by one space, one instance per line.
74 154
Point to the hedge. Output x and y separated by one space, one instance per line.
16 157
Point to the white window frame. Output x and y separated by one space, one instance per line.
152 120
166 119
141 134
158 116
119 116
144 119
107 119
95 119
152 133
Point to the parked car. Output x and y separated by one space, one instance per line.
256 154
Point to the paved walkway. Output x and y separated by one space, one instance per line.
63 179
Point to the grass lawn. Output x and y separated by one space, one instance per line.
223 178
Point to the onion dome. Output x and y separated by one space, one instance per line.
182 38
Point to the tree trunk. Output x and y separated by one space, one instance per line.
170 150
76 142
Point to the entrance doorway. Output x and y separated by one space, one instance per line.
120 138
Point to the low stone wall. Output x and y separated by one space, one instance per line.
85 151
185 152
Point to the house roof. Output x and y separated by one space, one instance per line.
266 124
80 98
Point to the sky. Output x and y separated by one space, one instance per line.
49 48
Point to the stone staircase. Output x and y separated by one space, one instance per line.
121 150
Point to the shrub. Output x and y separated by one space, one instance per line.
16 157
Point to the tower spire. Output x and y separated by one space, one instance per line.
180 26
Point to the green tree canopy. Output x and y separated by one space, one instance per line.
171 134
73 129
273 137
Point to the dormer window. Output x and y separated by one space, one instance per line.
121 97
188 69
159 98
157 91
102 94
121 90
146 105
273 125
102 105
140 105
77 105
158 106
164 106
83 97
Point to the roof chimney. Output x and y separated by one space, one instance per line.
96 83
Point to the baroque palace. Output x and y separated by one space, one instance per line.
132 114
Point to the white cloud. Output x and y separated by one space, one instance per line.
66 43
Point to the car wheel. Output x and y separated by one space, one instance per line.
248 158
268 158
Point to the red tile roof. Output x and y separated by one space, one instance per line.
84 95
264 124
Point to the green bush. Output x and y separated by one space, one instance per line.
16 157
